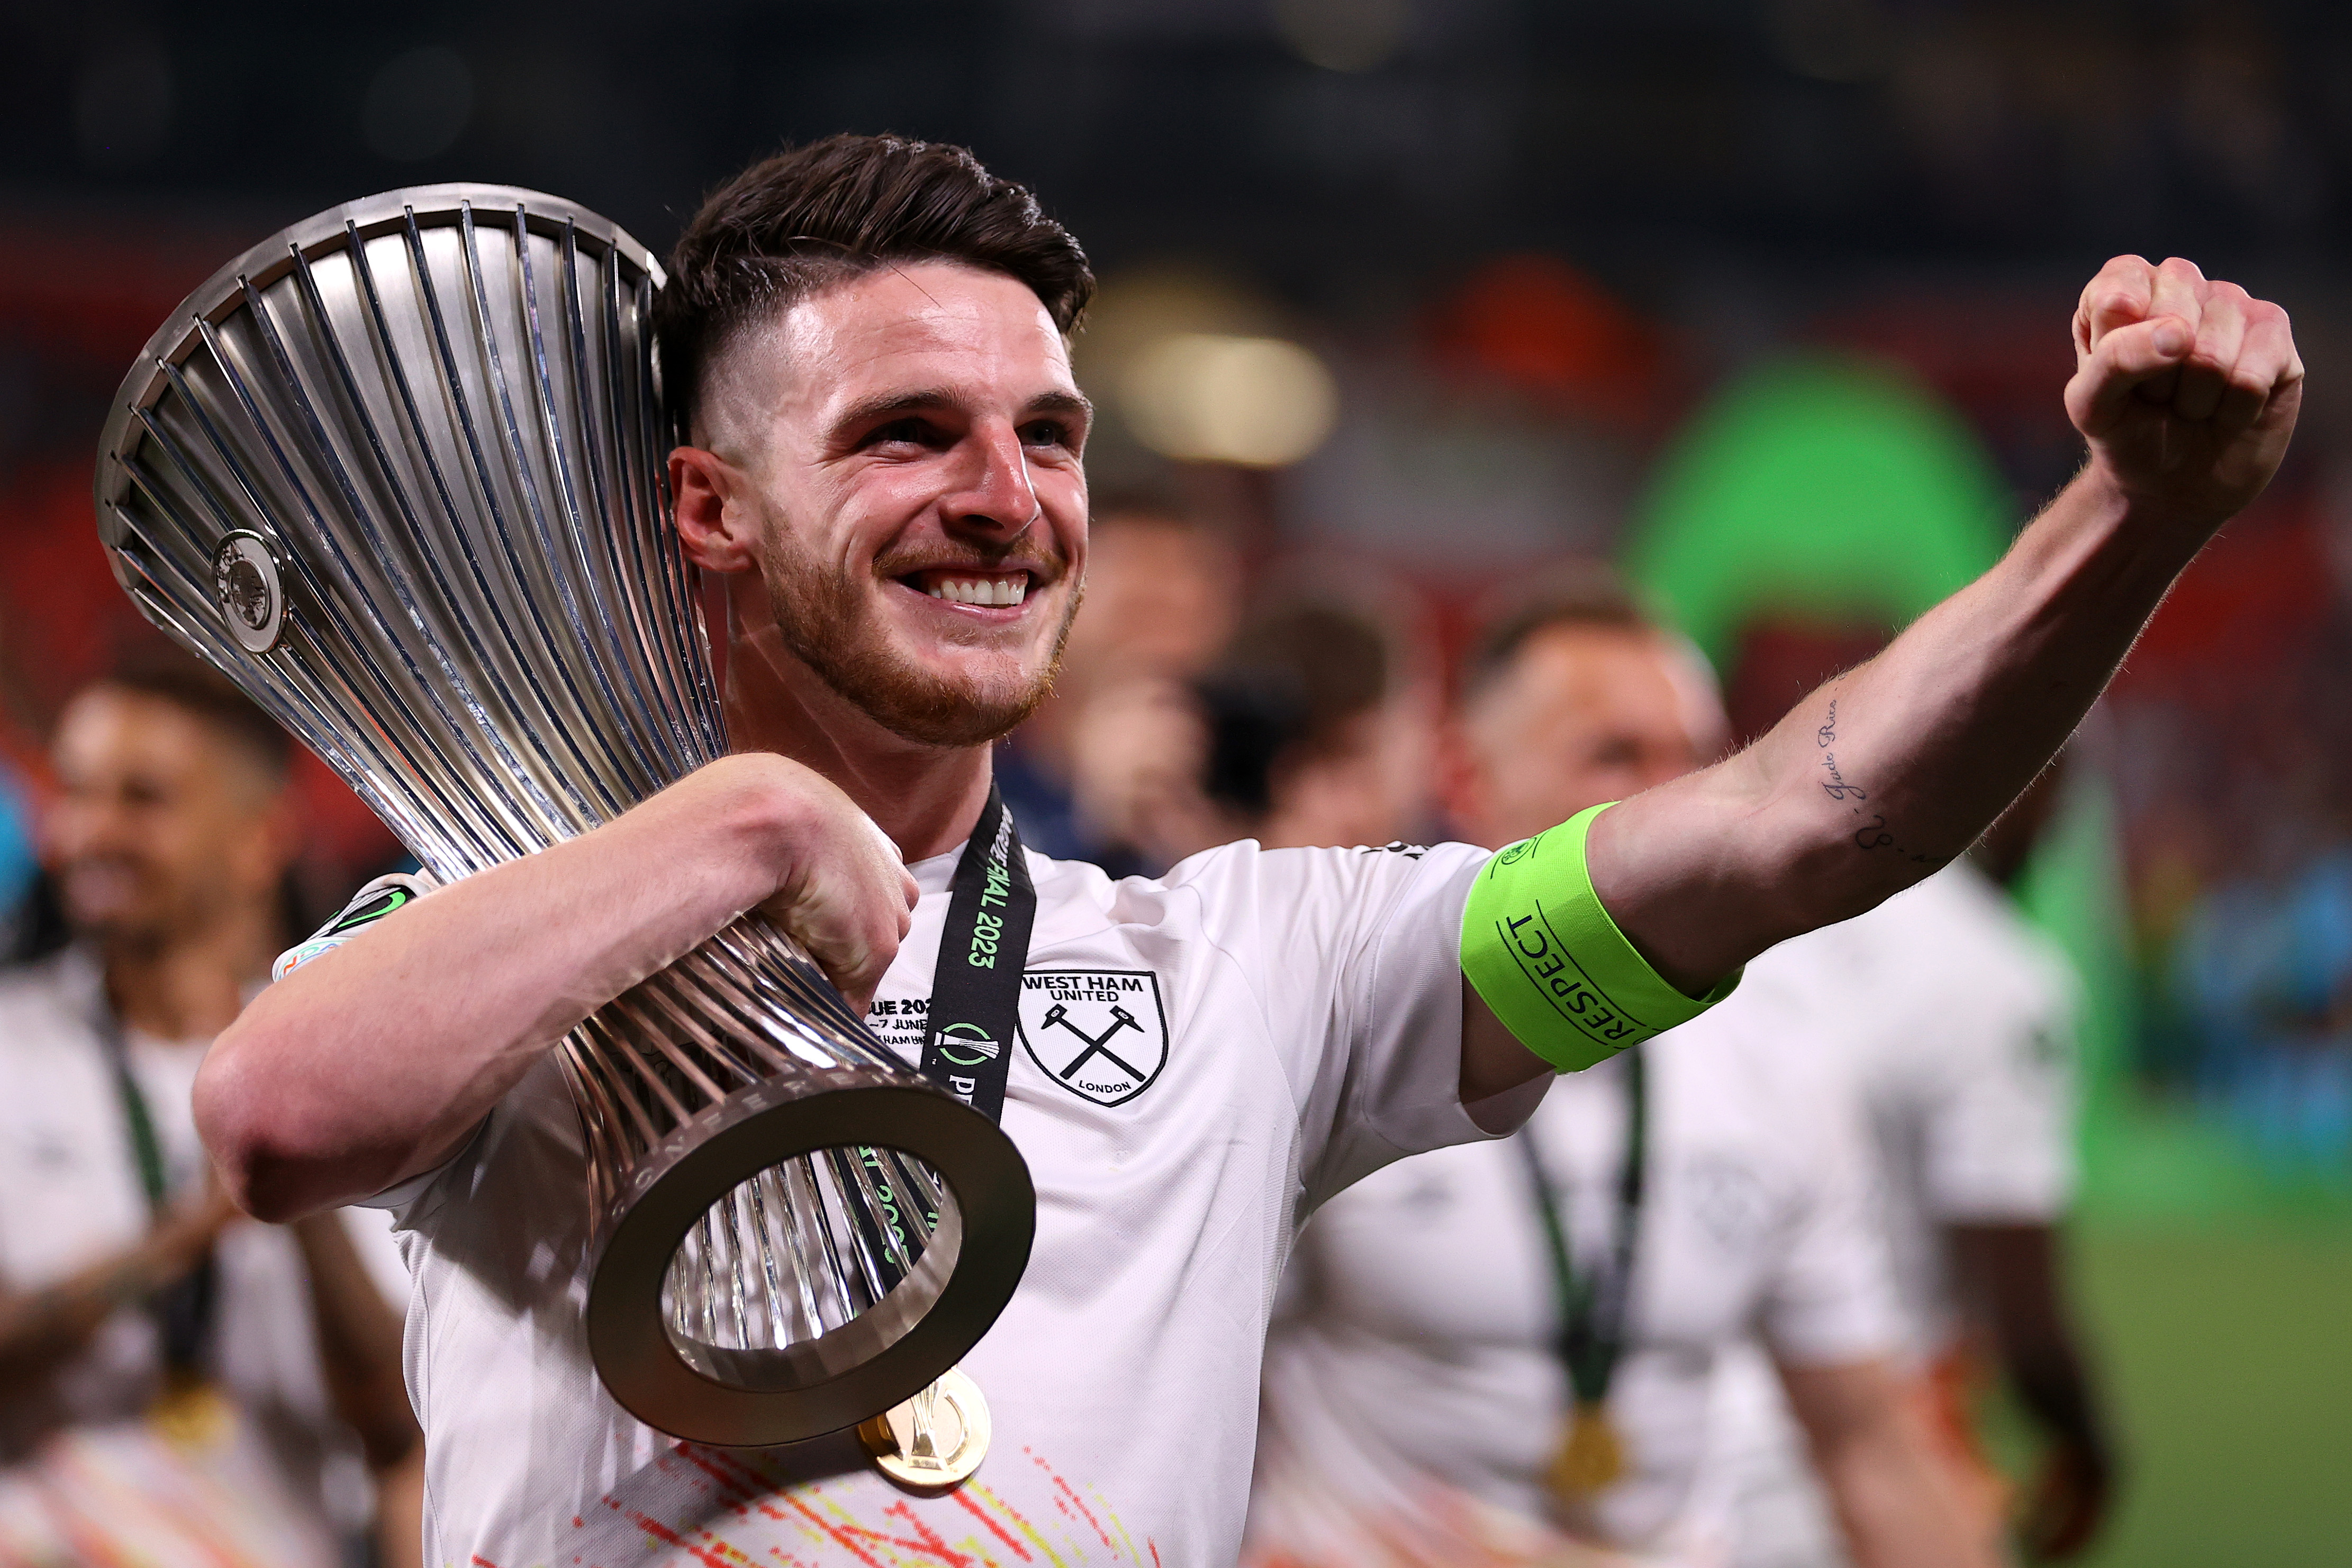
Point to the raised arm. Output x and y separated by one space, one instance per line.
374 1062
2186 391
1576 943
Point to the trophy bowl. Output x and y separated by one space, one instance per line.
398 471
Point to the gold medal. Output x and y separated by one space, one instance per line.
934 1441
1591 1459
190 1414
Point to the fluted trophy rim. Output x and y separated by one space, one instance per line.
262 264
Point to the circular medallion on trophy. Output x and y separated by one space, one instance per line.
246 584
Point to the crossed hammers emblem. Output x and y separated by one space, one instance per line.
1096 1043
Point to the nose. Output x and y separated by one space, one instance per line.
996 500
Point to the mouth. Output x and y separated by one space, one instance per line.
994 588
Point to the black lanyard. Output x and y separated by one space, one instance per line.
183 1309
976 986
1592 1333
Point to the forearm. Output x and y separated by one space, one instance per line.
373 1062
1894 768
1893 1497
2009 1274
37 1326
1896 1504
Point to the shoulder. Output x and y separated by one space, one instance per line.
1245 868
59 986
1751 1061
1954 941
1961 924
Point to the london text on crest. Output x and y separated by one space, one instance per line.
1102 1034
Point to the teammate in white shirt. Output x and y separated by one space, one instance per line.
1418 1397
170 1377
1953 1034
865 339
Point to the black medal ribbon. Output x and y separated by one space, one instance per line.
976 985
1593 1305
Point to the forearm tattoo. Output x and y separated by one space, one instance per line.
1873 833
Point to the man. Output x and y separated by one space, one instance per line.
1165 590
1954 1036
1466 1326
170 1377
1311 730
866 340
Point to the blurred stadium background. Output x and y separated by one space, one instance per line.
1766 301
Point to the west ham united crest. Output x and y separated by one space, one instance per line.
1102 1034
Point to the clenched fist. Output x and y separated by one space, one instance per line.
2186 389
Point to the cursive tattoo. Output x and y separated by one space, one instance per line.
1837 789
1873 834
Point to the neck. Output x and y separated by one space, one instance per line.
190 984
927 798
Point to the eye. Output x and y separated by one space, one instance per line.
1047 433
911 430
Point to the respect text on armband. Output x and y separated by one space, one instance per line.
1554 972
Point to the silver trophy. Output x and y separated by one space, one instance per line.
399 471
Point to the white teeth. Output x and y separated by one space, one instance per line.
980 590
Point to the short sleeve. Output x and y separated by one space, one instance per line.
1354 959
1831 1297
1997 1138
385 895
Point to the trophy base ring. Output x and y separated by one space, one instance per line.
964 1277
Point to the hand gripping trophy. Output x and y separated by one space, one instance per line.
398 472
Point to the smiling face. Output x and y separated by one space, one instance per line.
160 824
899 458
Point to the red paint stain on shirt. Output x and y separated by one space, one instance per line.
994 1529
933 1542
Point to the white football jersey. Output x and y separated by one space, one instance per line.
1278 1023
1414 1393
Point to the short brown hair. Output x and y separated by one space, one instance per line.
1573 593
205 693
834 210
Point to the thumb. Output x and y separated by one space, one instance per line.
2125 360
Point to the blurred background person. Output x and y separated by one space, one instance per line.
1953 1034
1315 727
1162 594
1508 1352
1813 504
177 1385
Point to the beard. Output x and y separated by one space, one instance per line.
825 617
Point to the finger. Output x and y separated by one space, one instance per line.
2117 296
2220 334
2127 360
2176 290
2267 364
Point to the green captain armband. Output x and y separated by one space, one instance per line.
1544 954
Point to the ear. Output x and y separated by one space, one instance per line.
716 526
1461 782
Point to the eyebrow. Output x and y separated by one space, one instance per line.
885 404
